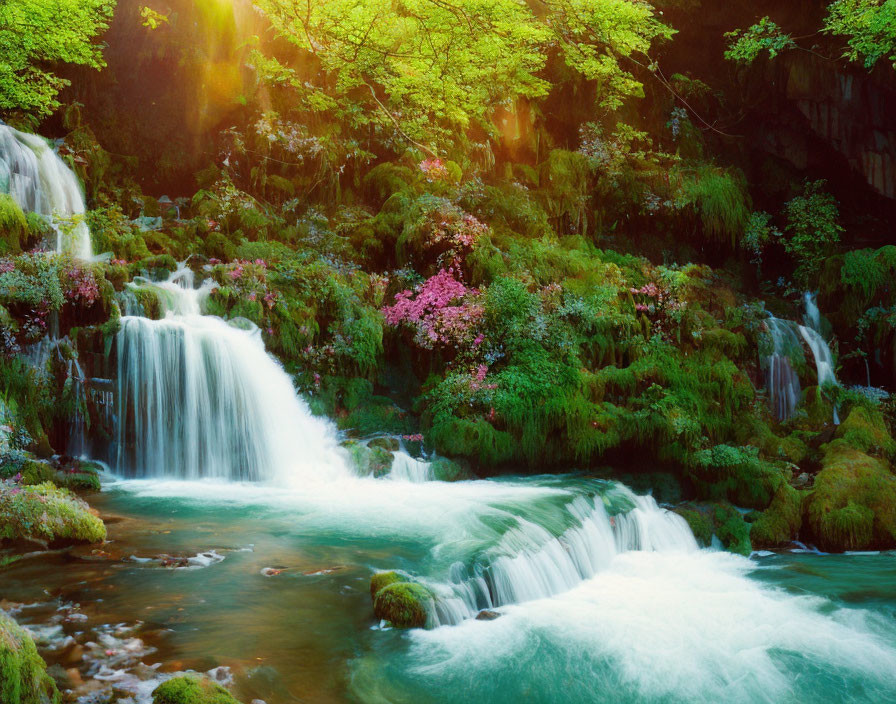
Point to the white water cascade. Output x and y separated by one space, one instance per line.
40 182
781 379
200 398
530 563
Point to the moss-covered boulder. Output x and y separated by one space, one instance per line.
369 461
781 521
23 675
389 444
403 604
718 519
383 579
737 474
13 225
191 689
866 430
445 470
853 503
47 514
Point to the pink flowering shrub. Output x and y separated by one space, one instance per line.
443 234
441 311
434 169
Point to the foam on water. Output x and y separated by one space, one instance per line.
652 627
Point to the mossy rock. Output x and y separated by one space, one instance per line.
853 502
403 604
13 225
383 579
23 673
45 513
781 521
191 689
699 523
817 411
389 444
369 461
445 470
720 519
866 430
34 472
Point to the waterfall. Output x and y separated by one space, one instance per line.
40 182
531 563
781 379
409 469
199 397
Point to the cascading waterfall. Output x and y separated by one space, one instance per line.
530 563
40 182
199 397
410 469
782 380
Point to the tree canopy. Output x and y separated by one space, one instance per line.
34 35
431 68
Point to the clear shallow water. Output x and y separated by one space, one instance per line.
670 626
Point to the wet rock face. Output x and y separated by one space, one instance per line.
851 111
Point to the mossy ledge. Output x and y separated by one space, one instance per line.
46 514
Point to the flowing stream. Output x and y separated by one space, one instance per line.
40 182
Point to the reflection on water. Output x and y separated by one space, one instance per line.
274 588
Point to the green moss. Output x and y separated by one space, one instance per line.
699 523
383 579
369 461
866 430
23 676
46 513
781 521
13 225
191 689
853 502
389 444
403 604
737 474
445 470
732 530
34 472
720 519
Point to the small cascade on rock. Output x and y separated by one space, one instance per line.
531 563
781 379
409 469
786 350
199 397
821 351
40 182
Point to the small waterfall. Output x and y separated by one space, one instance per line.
200 398
409 469
786 349
781 378
531 563
40 182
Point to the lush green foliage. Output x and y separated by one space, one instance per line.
870 26
23 676
191 689
45 513
36 33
